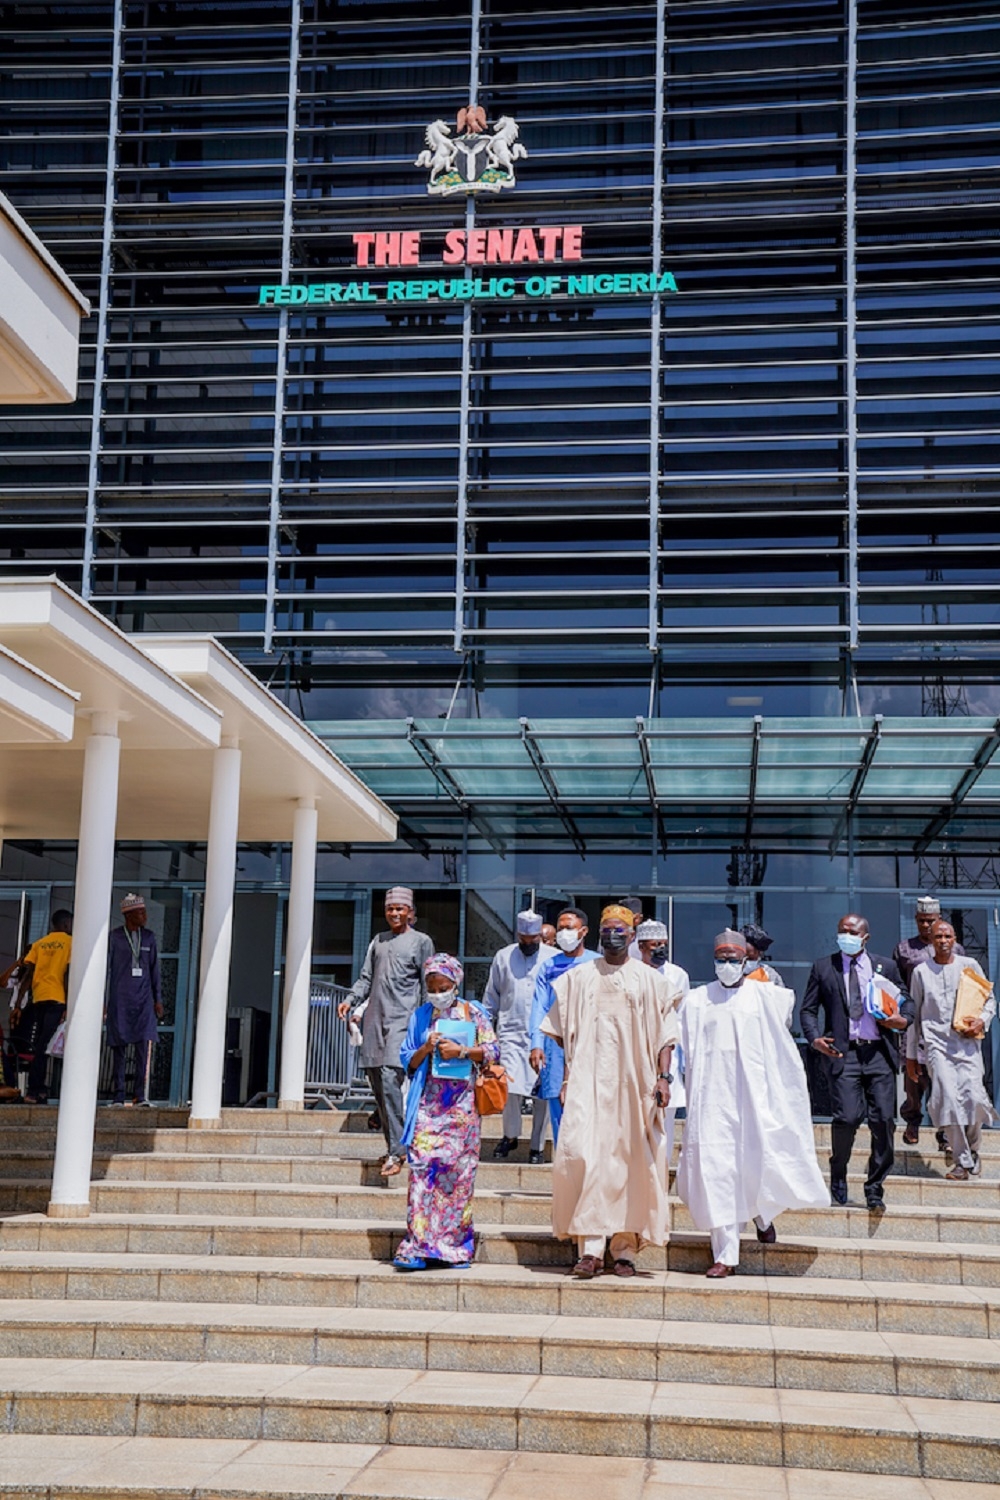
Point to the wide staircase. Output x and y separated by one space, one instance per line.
227 1323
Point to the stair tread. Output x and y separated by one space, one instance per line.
235 1383
248 1469
559 1327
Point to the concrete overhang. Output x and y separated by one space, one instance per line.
40 314
282 762
34 708
158 717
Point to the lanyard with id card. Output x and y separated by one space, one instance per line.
135 943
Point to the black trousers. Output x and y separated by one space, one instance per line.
914 1095
863 1087
46 1016
387 1086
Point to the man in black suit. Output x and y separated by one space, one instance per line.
863 1053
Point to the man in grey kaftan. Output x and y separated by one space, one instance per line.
387 992
508 997
958 1101
133 1005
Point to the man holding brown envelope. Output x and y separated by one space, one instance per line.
954 1005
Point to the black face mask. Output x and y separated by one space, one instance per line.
614 942
528 948
659 953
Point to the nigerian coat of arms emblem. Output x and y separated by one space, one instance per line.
478 158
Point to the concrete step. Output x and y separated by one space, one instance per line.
962 1219
965 1311
912 1435
928 1189
716 1353
112 1468
865 1246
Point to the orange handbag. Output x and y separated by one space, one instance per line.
491 1085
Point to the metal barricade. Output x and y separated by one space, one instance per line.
332 1070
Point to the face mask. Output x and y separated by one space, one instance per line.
615 942
528 946
444 998
849 942
728 971
659 954
568 939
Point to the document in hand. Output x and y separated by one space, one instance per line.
464 1033
973 992
882 997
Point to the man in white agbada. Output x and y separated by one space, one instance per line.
508 996
959 1103
748 1148
614 1019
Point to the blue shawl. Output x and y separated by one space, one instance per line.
416 1035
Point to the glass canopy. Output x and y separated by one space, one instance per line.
886 783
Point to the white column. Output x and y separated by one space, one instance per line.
298 957
216 938
95 863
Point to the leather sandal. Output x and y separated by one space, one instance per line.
768 1236
587 1267
624 1268
390 1167
716 1272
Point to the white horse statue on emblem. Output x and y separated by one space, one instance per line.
504 148
441 153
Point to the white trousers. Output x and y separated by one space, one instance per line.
726 1242
964 1141
624 1246
512 1119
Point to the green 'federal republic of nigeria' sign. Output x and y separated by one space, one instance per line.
469 289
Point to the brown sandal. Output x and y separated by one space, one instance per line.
624 1268
587 1267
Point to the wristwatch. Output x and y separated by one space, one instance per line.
667 1077
464 1053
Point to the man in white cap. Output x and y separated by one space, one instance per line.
653 944
134 1003
387 992
508 996
906 955
748 1139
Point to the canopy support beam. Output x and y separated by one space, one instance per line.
450 786
968 780
298 957
551 790
647 769
758 726
860 776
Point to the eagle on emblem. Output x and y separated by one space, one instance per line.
476 159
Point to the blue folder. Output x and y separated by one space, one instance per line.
464 1033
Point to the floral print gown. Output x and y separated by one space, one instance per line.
443 1158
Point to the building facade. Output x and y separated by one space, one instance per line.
604 586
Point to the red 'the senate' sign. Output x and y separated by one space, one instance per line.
473 247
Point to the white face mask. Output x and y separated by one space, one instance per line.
568 939
728 971
442 999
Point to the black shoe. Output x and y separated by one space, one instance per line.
838 1191
536 1158
768 1236
505 1146
942 1141
875 1203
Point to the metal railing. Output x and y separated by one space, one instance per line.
332 1069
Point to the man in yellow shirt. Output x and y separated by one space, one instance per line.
44 973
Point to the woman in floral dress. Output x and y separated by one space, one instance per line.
442 1125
